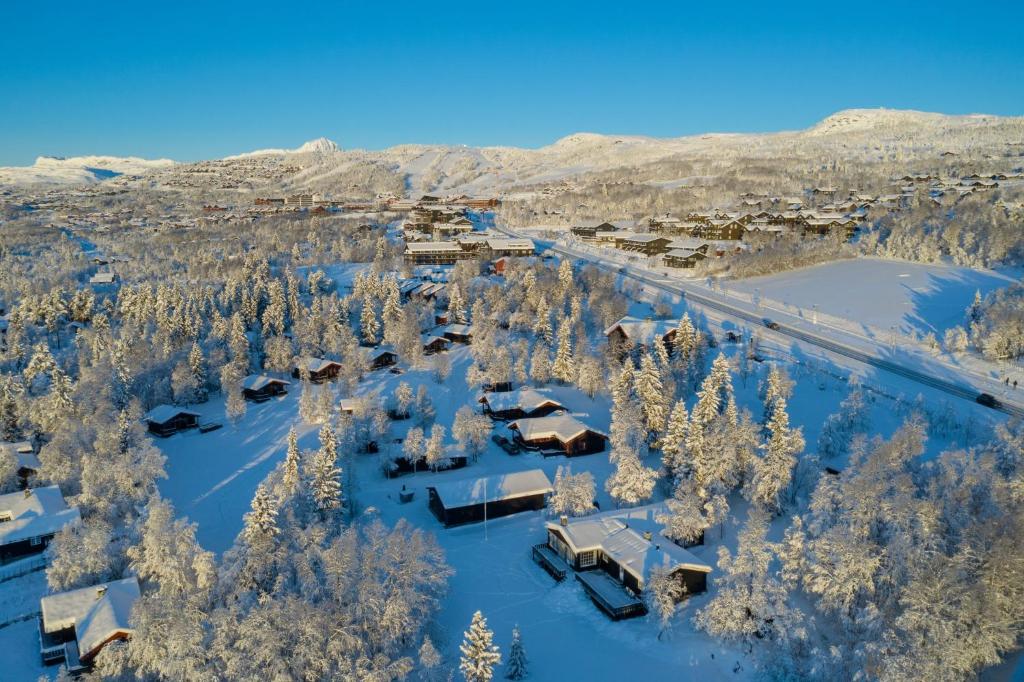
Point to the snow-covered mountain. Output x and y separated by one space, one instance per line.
320 145
78 170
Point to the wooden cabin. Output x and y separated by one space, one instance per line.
683 258
613 555
403 465
260 388
647 244
435 344
167 420
558 435
519 404
25 459
632 333
30 518
380 357
458 333
477 499
318 370
75 626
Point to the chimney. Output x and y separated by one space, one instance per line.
647 535
100 591
563 520
28 492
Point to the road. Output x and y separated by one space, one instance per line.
963 389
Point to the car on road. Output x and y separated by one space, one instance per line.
770 323
988 400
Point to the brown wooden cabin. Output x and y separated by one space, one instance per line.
435 344
558 435
520 404
683 258
167 420
318 369
470 501
259 388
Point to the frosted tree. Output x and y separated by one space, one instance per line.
749 602
540 364
403 400
542 326
434 451
651 392
673 444
456 305
516 668
563 368
684 519
662 593
369 326
631 483
292 458
839 429
777 386
392 313
414 444
479 653
429 658
573 493
261 523
197 368
472 430
774 471
325 477
590 377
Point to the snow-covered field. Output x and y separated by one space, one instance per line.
879 293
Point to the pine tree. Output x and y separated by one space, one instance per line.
197 366
684 521
564 369
479 653
651 392
516 668
292 458
368 323
540 363
542 327
673 444
392 313
261 522
631 483
774 472
326 475
430 659
456 305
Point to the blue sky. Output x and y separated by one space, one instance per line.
202 80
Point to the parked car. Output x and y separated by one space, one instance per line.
505 444
771 324
988 400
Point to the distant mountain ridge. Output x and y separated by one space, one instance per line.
491 169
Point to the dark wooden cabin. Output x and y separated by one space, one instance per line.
167 420
473 500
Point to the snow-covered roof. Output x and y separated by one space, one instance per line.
621 536
642 332
645 238
161 414
500 244
460 329
313 365
526 399
103 278
255 382
564 427
23 454
432 247
493 488
684 253
689 243
97 613
34 513
427 340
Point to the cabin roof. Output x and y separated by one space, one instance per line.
564 427
432 247
642 332
33 513
473 491
161 414
525 398
255 382
96 613
312 364
620 535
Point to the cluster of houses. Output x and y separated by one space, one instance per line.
73 626
483 246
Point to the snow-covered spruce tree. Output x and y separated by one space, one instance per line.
434 451
590 376
540 363
573 493
631 483
777 386
261 523
325 477
563 369
839 429
774 471
516 668
673 444
653 399
542 326
749 602
684 521
292 459
369 325
430 660
456 305
479 652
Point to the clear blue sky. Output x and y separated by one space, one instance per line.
191 81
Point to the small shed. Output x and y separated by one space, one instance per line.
260 388
25 456
167 420
476 499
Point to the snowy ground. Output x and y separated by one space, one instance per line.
880 293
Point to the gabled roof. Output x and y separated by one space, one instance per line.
161 414
97 613
34 513
685 253
255 382
23 454
621 536
433 247
459 329
313 365
526 399
563 427
493 488
642 332
689 243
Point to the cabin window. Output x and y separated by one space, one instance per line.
6 516
588 559
35 542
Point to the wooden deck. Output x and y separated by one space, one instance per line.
550 561
610 596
